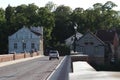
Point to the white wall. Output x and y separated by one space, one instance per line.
96 49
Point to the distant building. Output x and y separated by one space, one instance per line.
111 39
91 45
69 41
26 40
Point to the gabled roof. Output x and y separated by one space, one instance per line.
88 32
106 35
37 30
28 29
23 28
78 35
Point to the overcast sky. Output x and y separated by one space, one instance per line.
72 3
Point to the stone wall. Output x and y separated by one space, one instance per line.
10 57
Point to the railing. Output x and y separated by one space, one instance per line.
62 70
10 57
65 67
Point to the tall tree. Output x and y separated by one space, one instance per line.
2 16
63 27
3 33
32 14
109 15
8 14
50 6
46 19
79 17
26 15
109 5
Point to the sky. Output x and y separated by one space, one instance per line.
71 3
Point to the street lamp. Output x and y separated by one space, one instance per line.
75 28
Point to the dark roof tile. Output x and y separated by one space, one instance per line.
106 35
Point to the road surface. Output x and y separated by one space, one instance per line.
35 69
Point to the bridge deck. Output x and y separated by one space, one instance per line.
38 68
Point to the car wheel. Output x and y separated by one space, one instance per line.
58 58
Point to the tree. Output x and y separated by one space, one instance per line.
101 16
109 15
2 16
109 5
46 19
97 6
78 16
50 6
3 32
63 27
32 14
8 14
26 15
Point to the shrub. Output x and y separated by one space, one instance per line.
63 49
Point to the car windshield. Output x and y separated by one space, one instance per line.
53 51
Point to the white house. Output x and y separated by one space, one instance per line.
26 40
69 41
92 46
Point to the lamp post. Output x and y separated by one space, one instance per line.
75 28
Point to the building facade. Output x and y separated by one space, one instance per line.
91 45
26 40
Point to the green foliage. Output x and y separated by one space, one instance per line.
63 27
109 5
101 16
50 6
63 49
9 12
2 16
26 15
46 19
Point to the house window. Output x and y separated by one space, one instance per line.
15 45
24 46
32 45
91 43
86 43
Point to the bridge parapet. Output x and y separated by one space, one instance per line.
62 70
